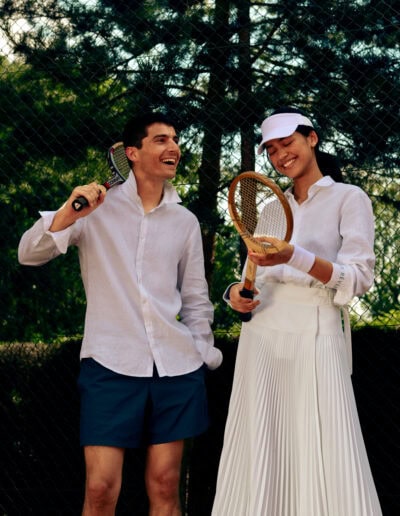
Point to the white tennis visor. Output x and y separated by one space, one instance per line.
280 126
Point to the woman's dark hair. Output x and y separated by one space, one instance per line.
328 163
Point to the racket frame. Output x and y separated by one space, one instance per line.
116 178
250 241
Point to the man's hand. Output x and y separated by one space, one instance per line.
66 215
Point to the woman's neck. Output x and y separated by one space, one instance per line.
302 184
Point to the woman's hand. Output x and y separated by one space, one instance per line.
301 259
239 303
283 254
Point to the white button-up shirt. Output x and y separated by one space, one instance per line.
143 273
336 222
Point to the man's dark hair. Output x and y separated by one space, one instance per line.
136 128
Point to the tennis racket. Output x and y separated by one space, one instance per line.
258 208
119 166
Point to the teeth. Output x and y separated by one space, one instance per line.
288 163
169 161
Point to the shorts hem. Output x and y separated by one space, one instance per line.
110 444
180 437
155 440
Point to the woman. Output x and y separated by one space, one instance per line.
293 444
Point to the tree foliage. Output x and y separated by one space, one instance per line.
76 70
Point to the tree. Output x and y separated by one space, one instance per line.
218 67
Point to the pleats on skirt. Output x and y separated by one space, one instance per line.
293 444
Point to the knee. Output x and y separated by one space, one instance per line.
101 494
164 485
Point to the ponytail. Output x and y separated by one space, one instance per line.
329 165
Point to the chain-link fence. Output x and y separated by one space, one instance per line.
72 73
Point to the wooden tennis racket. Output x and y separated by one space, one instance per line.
258 208
119 166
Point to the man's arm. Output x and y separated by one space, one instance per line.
66 215
50 236
197 310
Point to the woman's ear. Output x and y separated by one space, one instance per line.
313 138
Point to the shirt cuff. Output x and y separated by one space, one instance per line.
225 295
213 358
337 278
341 282
60 238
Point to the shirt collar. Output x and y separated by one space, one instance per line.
324 182
170 194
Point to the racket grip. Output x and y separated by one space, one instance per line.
79 203
249 294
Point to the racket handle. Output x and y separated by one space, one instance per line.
79 203
249 294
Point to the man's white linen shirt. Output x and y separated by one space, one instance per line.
143 273
335 222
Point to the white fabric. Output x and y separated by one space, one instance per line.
140 271
281 126
301 259
293 444
336 222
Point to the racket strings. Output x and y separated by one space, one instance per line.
272 220
121 160
119 165
260 210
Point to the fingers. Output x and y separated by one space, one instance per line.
284 251
102 190
240 303
263 259
93 193
268 239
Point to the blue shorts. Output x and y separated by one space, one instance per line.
131 412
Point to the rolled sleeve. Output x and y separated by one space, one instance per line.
353 270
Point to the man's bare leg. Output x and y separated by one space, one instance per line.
163 469
103 479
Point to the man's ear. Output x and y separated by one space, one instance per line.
131 153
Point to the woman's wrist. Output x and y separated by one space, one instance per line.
301 259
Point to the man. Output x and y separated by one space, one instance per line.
147 329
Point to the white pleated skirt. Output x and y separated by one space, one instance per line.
293 444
